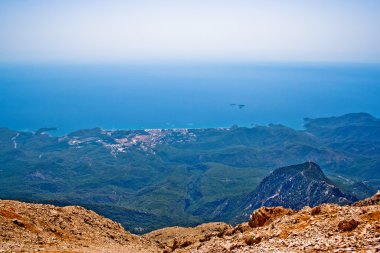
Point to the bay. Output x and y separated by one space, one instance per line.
140 96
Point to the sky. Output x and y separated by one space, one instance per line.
189 30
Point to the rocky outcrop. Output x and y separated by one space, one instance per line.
374 200
181 239
325 228
293 187
35 227
348 225
264 215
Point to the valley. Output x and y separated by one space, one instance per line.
154 178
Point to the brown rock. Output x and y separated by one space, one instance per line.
242 227
316 210
374 200
28 227
265 215
31 227
229 232
251 240
185 244
18 223
186 236
348 225
175 245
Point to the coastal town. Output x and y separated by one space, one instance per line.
118 141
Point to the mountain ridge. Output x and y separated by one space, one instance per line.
294 187
194 173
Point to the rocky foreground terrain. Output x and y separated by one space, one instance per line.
45 228
325 228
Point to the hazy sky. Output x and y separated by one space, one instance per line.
189 30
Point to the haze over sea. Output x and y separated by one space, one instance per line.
72 97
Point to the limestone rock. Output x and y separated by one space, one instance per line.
348 225
28 227
374 200
325 228
265 215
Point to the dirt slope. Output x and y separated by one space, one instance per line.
325 228
35 227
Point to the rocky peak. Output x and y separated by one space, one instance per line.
294 187
308 170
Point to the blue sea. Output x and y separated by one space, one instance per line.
72 97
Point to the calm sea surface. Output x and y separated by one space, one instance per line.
72 97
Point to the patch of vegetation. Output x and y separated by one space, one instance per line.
180 177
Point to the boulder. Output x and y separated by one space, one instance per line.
266 215
347 225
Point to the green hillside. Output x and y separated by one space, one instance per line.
180 176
